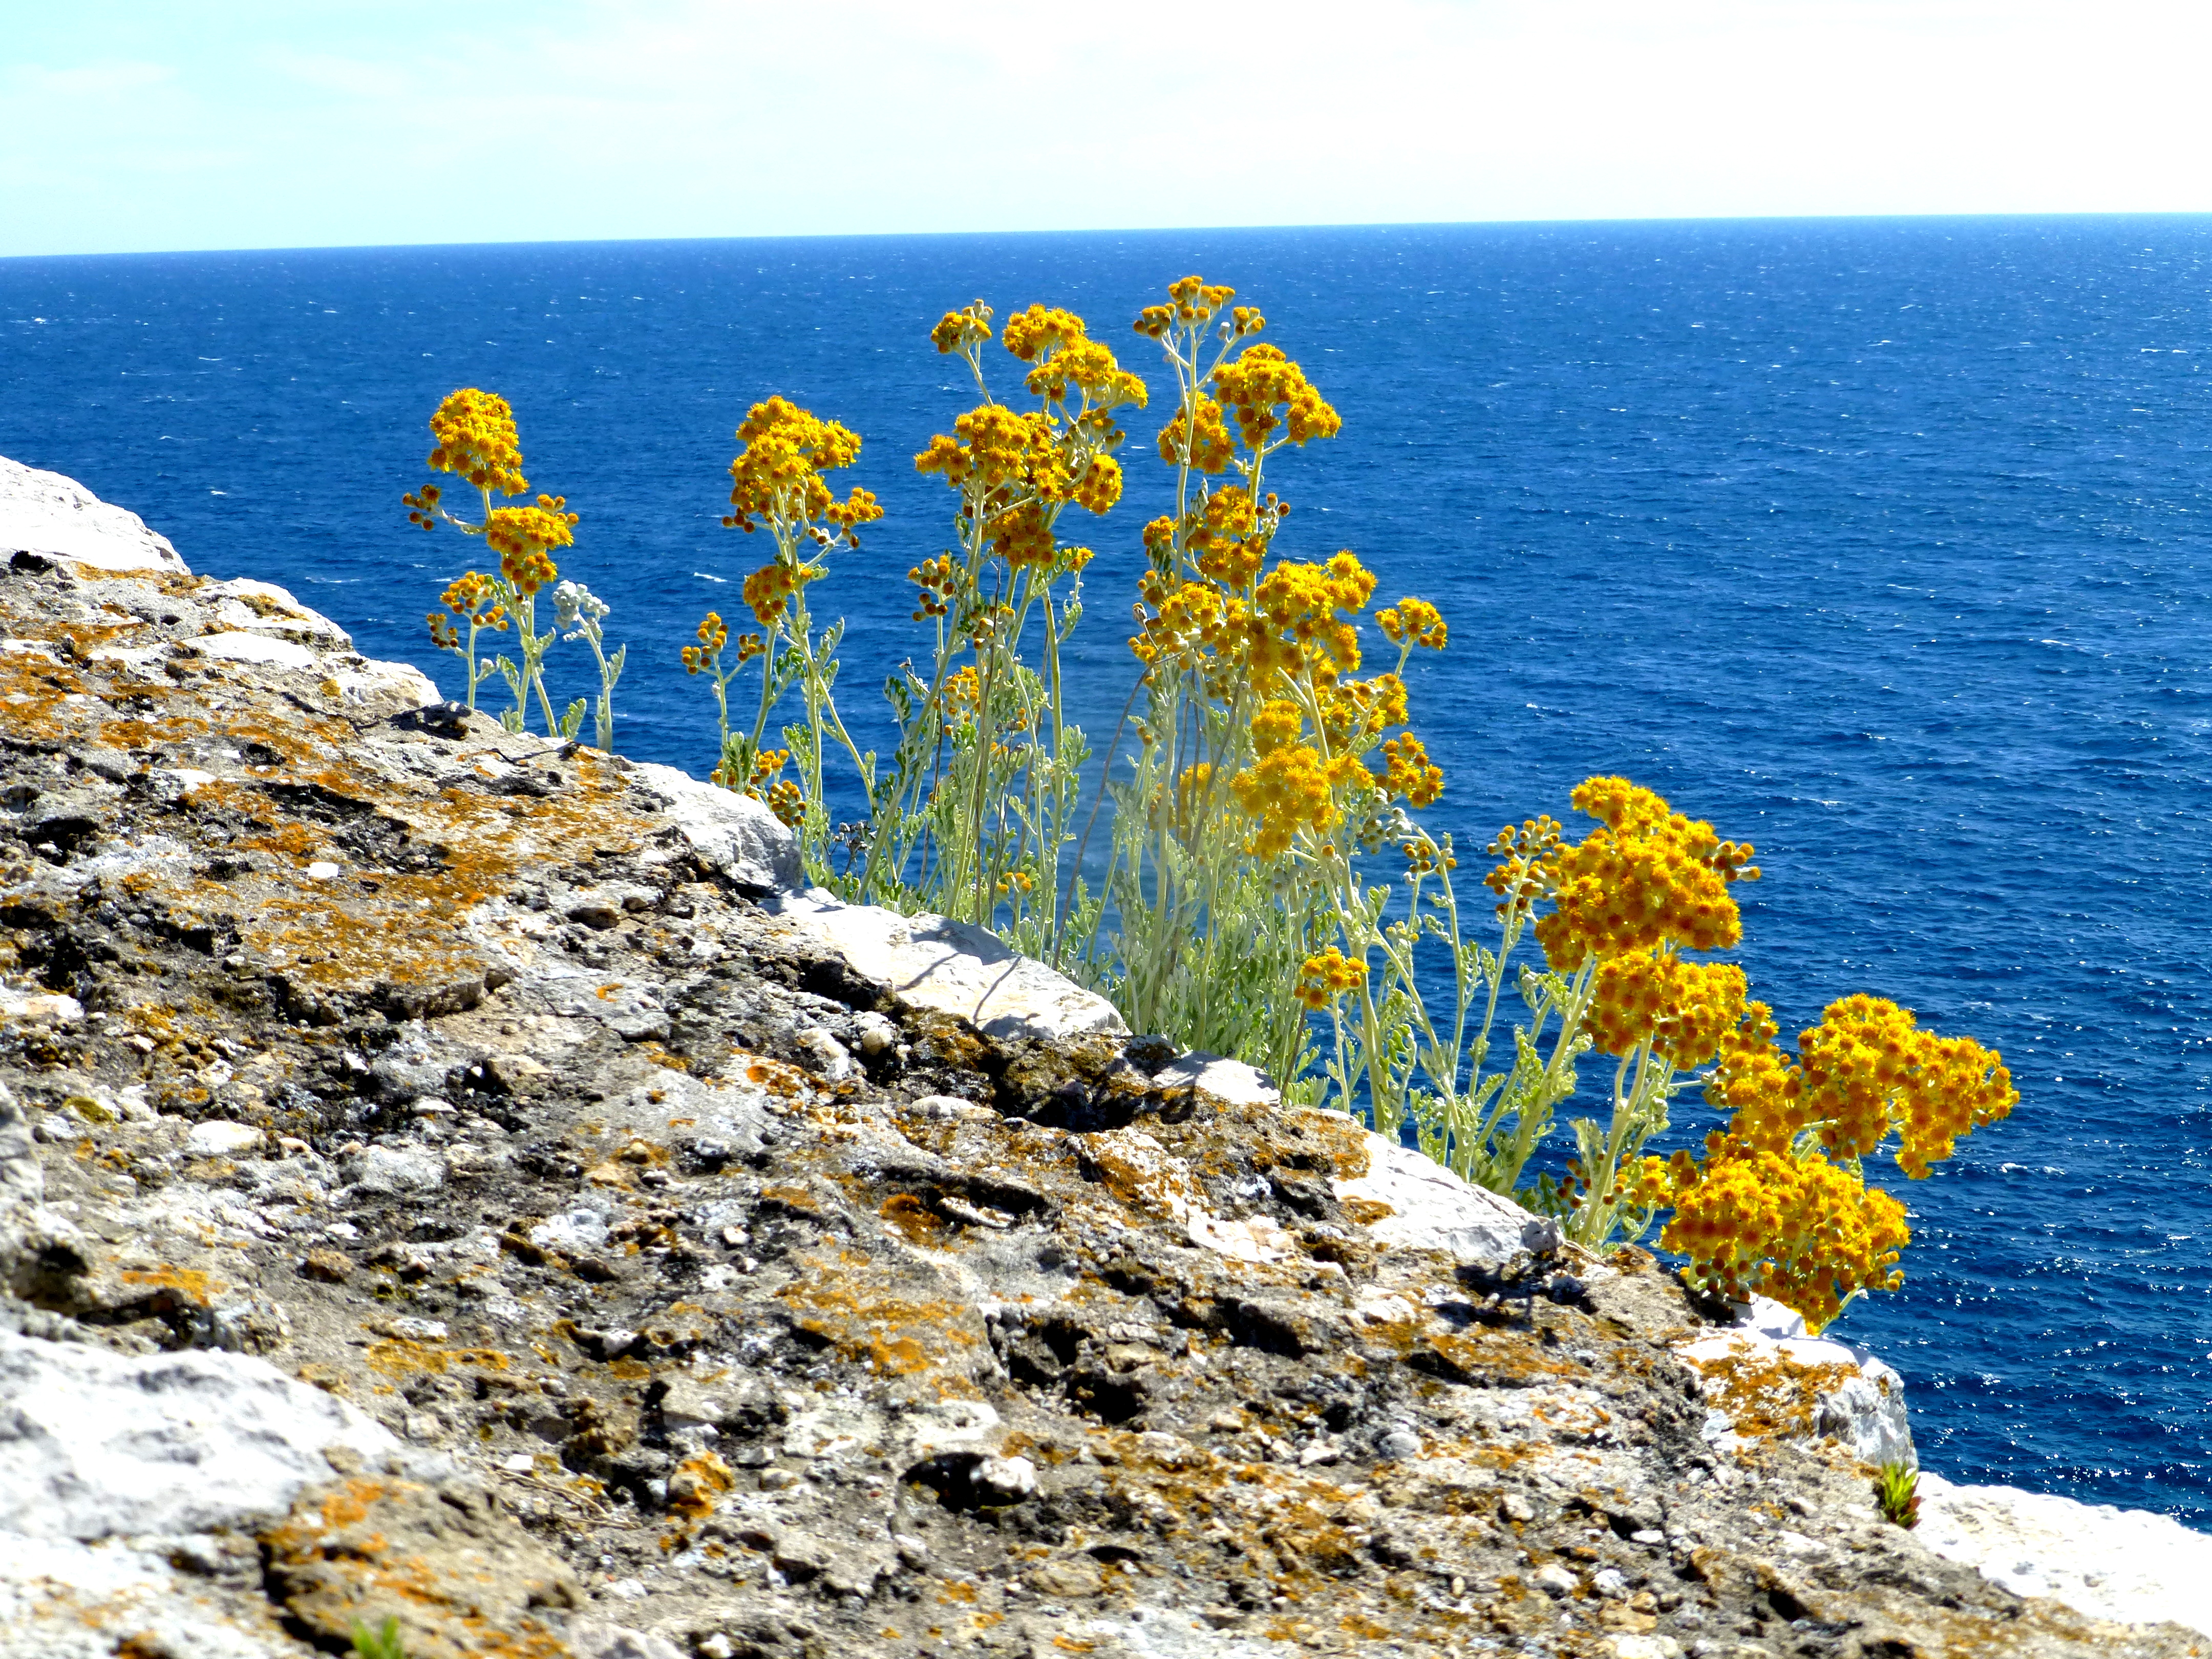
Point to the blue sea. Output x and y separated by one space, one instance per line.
1882 544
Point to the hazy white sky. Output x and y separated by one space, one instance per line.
138 124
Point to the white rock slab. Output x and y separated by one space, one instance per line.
2129 1566
953 967
1232 1081
1433 1209
57 518
735 834
94 1444
258 648
1866 1411
63 1600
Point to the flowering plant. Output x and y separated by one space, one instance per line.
1271 774
776 484
477 443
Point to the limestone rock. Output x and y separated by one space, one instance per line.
1424 1206
2109 1563
733 834
461 1577
52 517
94 1444
927 962
1767 1366
746 1283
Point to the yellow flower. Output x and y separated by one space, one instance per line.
523 537
1411 776
777 474
1322 979
1262 381
962 330
1648 876
476 440
1867 1066
1413 619
714 634
1283 792
1202 433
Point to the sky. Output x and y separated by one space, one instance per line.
135 125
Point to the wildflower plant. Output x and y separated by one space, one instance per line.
579 614
1274 777
777 484
477 444
975 815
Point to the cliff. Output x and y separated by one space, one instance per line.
452 1176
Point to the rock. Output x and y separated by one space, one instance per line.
458 1575
216 1139
1232 1081
1005 1480
711 1239
391 1171
93 1444
40 1007
49 517
733 834
927 962
2126 1566
591 1640
1424 1206
23 1179
1767 1367
258 648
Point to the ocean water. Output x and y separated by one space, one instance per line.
1881 544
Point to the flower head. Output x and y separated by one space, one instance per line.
476 440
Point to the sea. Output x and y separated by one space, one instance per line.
1886 545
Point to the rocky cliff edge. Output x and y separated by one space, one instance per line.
453 1176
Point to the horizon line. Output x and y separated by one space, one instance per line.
1621 222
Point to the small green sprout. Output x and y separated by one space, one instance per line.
1897 1490
378 1644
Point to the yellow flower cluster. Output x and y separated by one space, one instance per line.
1800 1229
777 474
1192 302
422 506
1068 360
768 591
937 580
1869 1067
1529 862
476 440
714 635
1647 877
1304 606
523 537
1413 619
1283 792
1411 777
1684 1009
1262 380
1354 710
1322 979
1200 435
1766 1210
962 330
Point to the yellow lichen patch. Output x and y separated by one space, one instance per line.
896 1335
402 1356
912 1220
696 1483
1766 1394
182 1284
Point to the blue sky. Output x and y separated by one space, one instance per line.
186 123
